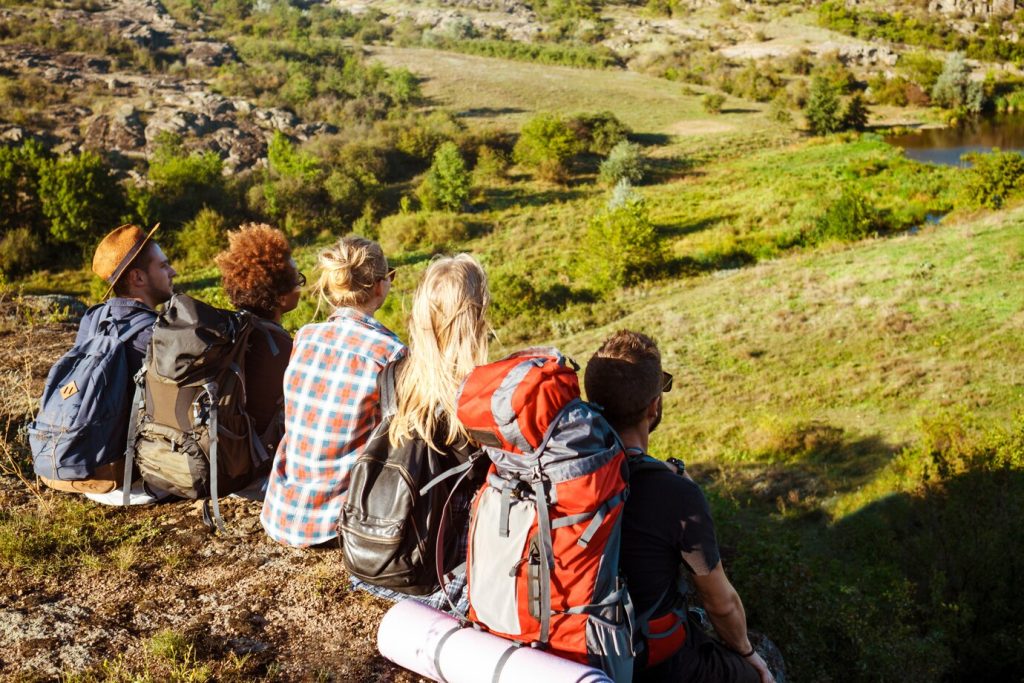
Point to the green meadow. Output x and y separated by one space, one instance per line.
851 403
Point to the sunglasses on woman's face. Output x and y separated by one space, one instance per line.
390 277
301 281
666 382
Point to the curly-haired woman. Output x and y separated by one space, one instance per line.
260 276
331 398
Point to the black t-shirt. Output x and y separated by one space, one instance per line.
666 520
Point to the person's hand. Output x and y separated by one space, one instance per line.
757 662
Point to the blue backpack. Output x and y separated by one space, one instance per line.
82 424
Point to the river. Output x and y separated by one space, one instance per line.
947 145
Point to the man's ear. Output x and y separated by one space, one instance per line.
652 409
136 278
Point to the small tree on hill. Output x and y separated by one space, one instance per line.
447 183
80 198
856 115
622 244
954 88
822 108
624 162
546 143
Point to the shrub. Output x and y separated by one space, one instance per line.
852 217
491 165
446 186
355 179
993 177
546 143
778 110
624 162
598 133
420 136
21 251
434 232
19 185
202 238
856 115
184 182
622 246
889 90
80 198
954 88
822 108
712 102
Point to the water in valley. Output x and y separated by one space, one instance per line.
948 145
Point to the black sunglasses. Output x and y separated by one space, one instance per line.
666 382
302 279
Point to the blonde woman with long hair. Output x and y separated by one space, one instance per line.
330 395
448 337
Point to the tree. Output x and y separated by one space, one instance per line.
624 162
856 115
546 143
184 182
954 88
712 102
622 244
80 198
19 185
447 183
822 108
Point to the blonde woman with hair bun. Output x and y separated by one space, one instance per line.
448 337
330 394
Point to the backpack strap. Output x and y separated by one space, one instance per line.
446 517
388 390
133 427
135 328
211 390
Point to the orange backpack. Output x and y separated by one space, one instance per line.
543 558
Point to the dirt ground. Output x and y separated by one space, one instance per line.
251 609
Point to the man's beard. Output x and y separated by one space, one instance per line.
657 418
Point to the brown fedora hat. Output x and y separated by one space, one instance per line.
117 251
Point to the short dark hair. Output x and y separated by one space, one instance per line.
141 261
624 376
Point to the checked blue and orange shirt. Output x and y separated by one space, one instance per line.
330 409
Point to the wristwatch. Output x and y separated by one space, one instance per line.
678 464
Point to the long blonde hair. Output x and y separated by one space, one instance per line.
349 270
448 336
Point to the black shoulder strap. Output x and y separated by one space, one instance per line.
387 389
639 461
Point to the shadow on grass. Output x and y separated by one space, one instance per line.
501 198
487 112
682 229
663 170
682 266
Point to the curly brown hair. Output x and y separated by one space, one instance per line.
255 269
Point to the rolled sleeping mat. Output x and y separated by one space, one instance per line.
434 644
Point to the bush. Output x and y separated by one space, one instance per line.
954 88
993 177
21 252
852 217
491 165
184 182
446 186
546 143
433 232
624 162
889 90
202 238
822 108
621 245
856 115
19 185
778 110
420 136
355 179
598 133
80 198
712 102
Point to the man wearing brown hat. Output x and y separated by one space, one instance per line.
140 277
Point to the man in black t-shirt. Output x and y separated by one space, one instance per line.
667 525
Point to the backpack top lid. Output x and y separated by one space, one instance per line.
190 338
509 404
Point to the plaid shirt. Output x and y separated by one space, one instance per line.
331 406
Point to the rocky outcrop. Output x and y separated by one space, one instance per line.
974 8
